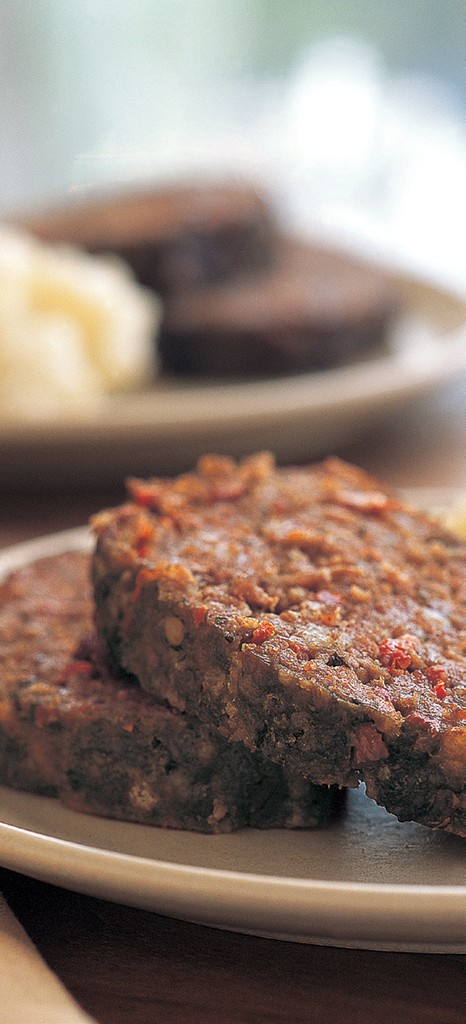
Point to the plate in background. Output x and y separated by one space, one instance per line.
165 428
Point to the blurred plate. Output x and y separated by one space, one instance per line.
165 428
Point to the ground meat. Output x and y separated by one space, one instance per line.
311 310
307 613
173 238
70 728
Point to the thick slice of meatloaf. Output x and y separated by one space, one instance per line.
311 310
308 613
44 607
69 728
176 237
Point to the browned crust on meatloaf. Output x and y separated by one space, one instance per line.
308 613
69 728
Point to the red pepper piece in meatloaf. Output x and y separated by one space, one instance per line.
306 612
69 728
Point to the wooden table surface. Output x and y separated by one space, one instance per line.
125 965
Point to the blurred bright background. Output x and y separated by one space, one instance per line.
351 111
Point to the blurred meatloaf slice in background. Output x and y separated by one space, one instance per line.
313 309
69 728
241 298
174 238
307 613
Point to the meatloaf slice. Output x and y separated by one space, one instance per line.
176 237
310 310
308 613
69 728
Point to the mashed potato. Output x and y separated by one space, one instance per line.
456 518
73 328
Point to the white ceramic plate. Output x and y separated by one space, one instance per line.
166 428
367 881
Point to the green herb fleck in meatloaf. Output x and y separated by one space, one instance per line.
307 613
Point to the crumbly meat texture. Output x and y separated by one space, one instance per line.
306 612
69 728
